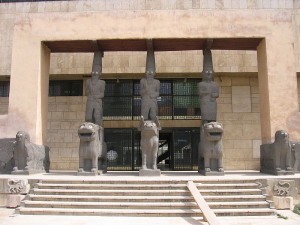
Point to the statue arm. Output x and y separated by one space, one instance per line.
215 91
143 89
203 89
155 93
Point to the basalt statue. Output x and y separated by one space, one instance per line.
91 149
296 156
95 92
210 150
208 90
275 158
28 157
149 143
149 87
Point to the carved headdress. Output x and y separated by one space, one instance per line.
150 62
97 63
207 60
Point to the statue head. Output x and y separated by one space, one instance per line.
97 64
208 71
150 62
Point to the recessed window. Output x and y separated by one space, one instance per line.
4 88
65 88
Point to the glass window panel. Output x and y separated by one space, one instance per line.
186 107
119 149
121 88
4 88
117 108
165 107
65 88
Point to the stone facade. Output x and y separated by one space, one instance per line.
239 101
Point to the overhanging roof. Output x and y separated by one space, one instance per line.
168 44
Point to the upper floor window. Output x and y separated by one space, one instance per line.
65 88
4 88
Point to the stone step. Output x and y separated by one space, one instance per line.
234 198
244 212
112 186
111 205
147 181
89 198
111 192
143 186
111 212
231 192
201 186
141 205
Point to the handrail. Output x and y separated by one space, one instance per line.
208 214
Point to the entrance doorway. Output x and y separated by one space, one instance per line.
178 149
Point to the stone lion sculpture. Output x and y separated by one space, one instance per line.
210 148
149 143
275 158
90 147
29 157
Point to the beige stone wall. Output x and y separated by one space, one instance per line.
241 125
225 61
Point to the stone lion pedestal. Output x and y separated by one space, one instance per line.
275 158
149 147
210 150
28 157
92 151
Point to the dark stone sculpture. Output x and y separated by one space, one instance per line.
208 90
149 87
149 146
95 92
296 156
275 158
6 155
28 157
210 150
91 149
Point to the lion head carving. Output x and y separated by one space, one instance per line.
88 131
213 131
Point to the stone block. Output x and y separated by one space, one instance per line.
283 202
13 201
149 173
256 148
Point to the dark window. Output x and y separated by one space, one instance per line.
65 88
178 100
4 88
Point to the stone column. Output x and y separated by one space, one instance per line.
29 84
278 86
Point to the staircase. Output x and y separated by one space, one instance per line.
144 198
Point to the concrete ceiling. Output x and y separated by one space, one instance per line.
174 44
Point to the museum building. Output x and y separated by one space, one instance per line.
46 54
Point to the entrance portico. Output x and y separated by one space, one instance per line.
269 30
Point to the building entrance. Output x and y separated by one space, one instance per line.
178 149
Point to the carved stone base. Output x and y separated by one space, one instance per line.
85 173
283 202
275 172
211 173
14 201
149 173
27 172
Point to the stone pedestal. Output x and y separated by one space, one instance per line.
211 173
27 172
283 202
13 201
149 173
85 173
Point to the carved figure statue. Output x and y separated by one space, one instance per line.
149 142
6 155
149 87
90 147
296 156
208 90
211 147
29 156
276 157
95 92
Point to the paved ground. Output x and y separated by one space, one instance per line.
7 216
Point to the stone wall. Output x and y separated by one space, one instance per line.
121 62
